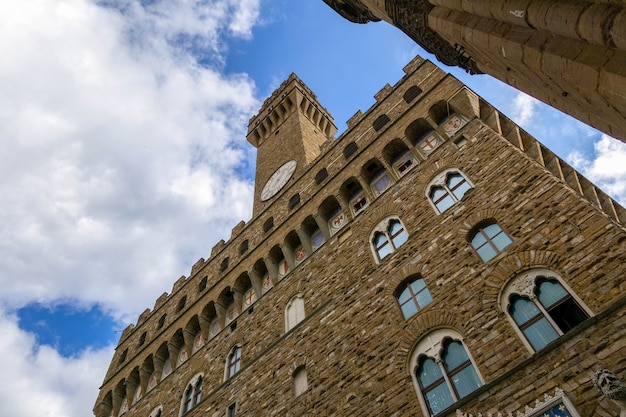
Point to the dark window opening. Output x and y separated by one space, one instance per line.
161 321
142 339
203 283
181 303
380 122
350 150
321 176
294 201
123 357
412 93
224 264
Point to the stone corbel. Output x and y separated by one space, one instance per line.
611 387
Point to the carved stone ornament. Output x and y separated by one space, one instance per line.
612 387
524 285
352 10
411 16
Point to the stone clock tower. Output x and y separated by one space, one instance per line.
448 265
287 132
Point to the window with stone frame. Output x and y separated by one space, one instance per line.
231 410
488 240
192 395
377 176
412 296
387 236
157 412
300 382
447 189
354 193
294 313
541 307
443 371
233 364
403 163
142 339
161 322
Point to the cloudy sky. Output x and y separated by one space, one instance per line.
124 158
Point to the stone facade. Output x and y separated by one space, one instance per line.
277 323
570 54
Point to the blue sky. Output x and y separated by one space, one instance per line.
124 157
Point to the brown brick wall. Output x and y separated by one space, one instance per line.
354 342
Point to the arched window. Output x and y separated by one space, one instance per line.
443 371
181 303
397 154
161 322
142 339
380 122
388 236
193 394
541 308
377 177
231 410
157 411
202 284
412 93
234 362
355 195
412 296
294 313
447 189
489 240
300 383
227 301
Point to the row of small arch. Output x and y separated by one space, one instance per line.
332 215
173 353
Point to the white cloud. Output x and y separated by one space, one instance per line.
245 16
118 168
115 150
606 167
37 381
524 108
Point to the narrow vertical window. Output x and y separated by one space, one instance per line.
188 398
300 382
433 385
197 391
192 395
234 361
294 313
460 370
231 410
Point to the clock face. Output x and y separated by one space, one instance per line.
278 180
